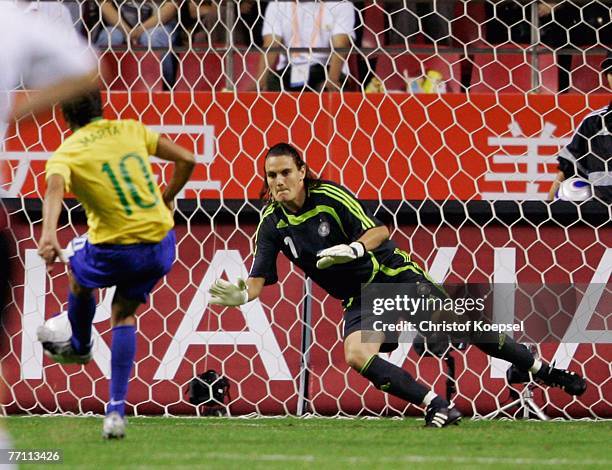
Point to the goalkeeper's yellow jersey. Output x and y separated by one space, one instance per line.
105 164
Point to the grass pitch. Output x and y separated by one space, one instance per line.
306 443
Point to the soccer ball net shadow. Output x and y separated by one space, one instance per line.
448 128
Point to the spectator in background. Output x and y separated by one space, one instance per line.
409 18
568 25
314 24
250 22
148 23
211 23
564 26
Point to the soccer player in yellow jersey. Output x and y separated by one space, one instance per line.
130 243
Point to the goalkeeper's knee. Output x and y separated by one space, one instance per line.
357 357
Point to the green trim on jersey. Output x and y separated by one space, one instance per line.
403 254
268 210
351 204
395 271
375 267
420 270
319 208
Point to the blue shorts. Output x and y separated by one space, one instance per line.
134 269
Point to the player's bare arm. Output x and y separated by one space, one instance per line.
48 245
254 287
374 237
184 163
49 96
340 43
112 17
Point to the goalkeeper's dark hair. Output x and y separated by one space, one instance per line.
284 149
80 111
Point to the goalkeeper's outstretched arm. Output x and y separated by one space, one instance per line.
225 293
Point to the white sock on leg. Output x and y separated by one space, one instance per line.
429 397
537 365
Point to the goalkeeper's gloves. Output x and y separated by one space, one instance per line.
231 295
340 254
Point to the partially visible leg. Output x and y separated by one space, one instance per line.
503 347
123 350
362 355
109 37
81 311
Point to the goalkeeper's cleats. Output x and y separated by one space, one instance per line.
113 426
61 352
439 415
568 381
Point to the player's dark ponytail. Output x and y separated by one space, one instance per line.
80 111
287 150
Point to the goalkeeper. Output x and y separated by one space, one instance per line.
329 234
130 243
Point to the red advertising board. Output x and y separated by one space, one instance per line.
396 146
259 347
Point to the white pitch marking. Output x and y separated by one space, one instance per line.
404 458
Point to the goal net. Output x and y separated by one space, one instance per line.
448 124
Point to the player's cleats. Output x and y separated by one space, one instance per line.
64 353
438 417
60 351
113 426
568 381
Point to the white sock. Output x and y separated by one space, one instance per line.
537 365
429 397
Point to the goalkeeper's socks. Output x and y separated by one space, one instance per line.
539 366
81 311
503 347
123 350
394 380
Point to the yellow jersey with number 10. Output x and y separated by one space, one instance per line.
105 164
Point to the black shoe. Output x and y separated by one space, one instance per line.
64 353
514 375
568 381
437 417
571 382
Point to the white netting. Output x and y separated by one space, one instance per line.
448 124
